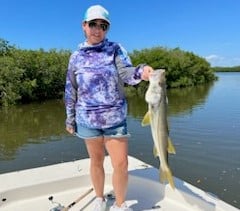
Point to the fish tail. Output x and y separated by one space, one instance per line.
171 149
166 175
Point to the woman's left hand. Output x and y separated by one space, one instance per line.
147 70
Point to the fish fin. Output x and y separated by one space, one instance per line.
171 149
167 176
146 119
155 153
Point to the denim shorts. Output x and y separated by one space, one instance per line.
118 131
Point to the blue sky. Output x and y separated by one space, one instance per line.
208 28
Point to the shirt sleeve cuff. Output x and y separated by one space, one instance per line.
139 71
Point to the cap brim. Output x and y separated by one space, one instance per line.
97 17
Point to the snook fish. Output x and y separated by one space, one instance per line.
156 97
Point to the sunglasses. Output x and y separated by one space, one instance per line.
94 25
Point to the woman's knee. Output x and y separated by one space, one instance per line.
97 161
120 164
96 151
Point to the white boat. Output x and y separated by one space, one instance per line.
67 186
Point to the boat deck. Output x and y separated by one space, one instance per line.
67 186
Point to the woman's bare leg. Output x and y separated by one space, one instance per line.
118 151
96 152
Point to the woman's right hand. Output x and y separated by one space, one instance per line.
70 130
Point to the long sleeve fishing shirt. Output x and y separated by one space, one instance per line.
94 96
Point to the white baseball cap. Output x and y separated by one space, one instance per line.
96 12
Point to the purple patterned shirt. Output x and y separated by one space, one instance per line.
94 96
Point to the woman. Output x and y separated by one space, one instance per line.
96 106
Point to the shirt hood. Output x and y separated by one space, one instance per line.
86 46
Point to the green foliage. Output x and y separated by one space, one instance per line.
44 74
226 69
183 68
5 47
27 75
10 81
37 75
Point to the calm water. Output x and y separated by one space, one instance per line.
204 126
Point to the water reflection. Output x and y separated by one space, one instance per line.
180 101
30 123
38 123
186 99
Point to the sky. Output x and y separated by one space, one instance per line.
207 28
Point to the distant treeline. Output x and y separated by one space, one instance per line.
38 75
31 75
227 69
183 68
